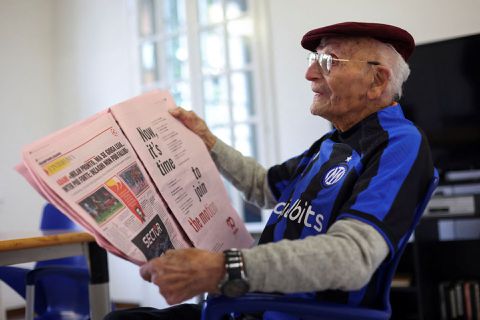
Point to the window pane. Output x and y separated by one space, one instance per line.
146 19
210 11
242 95
223 133
236 8
148 56
173 15
181 94
212 51
216 100
239 43
176 59
245 139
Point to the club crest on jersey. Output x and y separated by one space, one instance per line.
334 174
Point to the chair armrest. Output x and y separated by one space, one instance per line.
216 307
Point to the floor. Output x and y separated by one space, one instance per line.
19 314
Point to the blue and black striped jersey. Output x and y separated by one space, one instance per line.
377 172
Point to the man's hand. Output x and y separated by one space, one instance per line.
182 274
195 124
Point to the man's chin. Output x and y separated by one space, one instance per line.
316 110
320 112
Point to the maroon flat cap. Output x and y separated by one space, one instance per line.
400 39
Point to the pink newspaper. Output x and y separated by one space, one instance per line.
137 180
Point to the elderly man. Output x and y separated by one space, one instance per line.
341 207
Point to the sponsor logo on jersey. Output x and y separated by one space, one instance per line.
300 213
334 174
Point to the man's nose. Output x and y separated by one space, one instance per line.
313 72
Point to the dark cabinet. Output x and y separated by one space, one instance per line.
434 274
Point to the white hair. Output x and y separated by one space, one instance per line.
400 72
389 57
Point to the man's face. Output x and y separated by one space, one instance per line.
343 91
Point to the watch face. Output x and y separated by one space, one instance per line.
235 288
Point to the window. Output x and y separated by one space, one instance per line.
164 56
202 52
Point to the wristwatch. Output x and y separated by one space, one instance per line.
235 282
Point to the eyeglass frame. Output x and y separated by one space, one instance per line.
328 60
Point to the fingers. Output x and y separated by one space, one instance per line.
173 287
195 124
188 118
181 114
179 273
175 290
154 270
176 111
170 252
145 272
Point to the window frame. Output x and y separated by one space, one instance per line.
260 68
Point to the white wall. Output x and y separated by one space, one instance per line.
427 20
94 48
26 100
59 62
26 106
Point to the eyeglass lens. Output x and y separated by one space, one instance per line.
324 60
312 57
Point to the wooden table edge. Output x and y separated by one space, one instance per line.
46 240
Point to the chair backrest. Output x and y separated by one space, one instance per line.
53 220
403 244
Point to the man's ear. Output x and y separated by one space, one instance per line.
380 81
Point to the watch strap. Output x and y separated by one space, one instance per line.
234 264
235 282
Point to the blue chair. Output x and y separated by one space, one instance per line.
58 287
215 308
63 291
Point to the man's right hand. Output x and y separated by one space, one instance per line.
182 274
195 124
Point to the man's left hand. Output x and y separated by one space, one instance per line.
182 274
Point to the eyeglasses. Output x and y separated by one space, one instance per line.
326 61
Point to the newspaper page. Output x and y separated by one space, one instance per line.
91 172
66 209
183 171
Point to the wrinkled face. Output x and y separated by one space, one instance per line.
343 91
